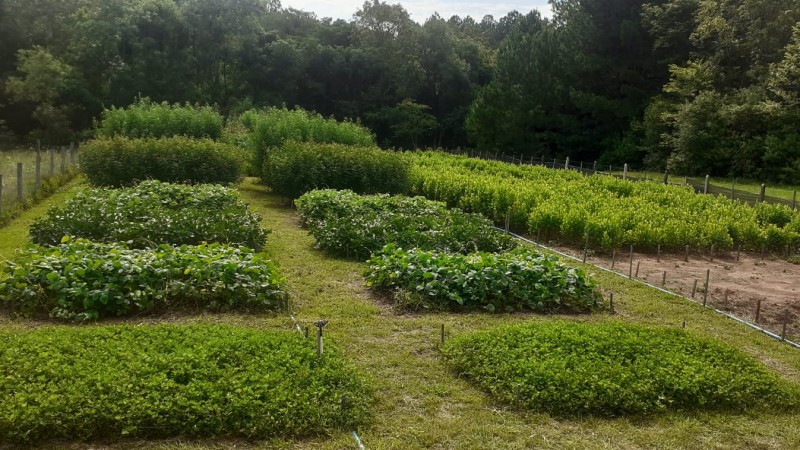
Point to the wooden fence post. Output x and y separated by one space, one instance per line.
666 176
1 192
52 162
20 192
705 187
38 164
705 292
625 172
566 164
794 200
63 159
763 195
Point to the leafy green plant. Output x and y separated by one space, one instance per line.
153 213
271 127
83 280
147 119
518 280
167 381
121 161
351 225
614 369
296 168
606 211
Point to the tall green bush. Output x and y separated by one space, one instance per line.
273 126
121 161
147 119
295 168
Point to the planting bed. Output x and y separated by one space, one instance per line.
166 380
615 369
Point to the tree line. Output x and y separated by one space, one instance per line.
696 86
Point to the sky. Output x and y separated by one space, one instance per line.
421 9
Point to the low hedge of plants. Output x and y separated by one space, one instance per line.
518 280
615 369
297 167
153 213
147 119
82 280
270 128
351 225
159 381
121 161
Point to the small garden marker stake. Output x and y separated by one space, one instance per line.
664 279
320 324
613 259
758 310
705 293
638 263
694 288
611 303
442 333
630 268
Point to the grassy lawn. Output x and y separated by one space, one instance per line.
422 404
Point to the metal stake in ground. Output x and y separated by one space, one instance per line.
630 263
611 303
705 293
638 263
664 279
694 288
320 324
442 333
613 259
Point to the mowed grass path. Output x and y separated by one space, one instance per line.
422 404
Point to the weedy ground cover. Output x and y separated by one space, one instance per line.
615 369
83 280
121 161
504 282
147 119
295 168
167 380
153 213
351 225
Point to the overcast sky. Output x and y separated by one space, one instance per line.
421 9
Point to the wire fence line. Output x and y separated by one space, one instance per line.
24 172
700 185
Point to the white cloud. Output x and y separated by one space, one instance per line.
420 10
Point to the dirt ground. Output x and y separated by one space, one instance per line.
735 286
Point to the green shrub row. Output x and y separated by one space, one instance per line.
121 161
83 280
147 119
272 127
296 168
518 280
153 213
163 381
606 211
352 225
614 369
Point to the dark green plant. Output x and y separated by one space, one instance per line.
296 168
121 161
153 213
614 369
518 280
271 127
115 382
146 119
82 280
352 225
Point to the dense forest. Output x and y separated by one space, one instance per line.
698 86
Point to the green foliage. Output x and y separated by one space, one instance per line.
147 119
615 369
121 161
153 213
296 168
518 280
167 381
272 127
82 280
352 225
609 212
